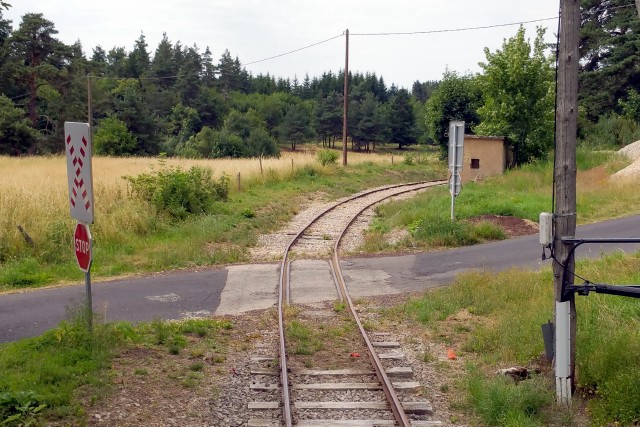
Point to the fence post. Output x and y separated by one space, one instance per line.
238 181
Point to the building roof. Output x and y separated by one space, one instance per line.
495 138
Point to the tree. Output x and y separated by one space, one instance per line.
35 43
328 116
295 126
456 98
16 136
609 54
518 91
423 91
113 138
130 108
367 128
138 61
402 123
162 65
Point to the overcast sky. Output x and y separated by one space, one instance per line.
257 29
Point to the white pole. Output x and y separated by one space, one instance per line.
454 171
563 353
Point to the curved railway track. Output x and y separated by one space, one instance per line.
324 234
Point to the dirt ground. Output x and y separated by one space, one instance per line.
512 226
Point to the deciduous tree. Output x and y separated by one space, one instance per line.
456 98
518 96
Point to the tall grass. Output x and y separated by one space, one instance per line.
33 193
130 236
506 311
523 192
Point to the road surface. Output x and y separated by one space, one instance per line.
241 288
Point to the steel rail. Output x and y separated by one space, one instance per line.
387 387
283 291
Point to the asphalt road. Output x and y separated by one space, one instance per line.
180 295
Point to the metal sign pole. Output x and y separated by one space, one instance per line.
454 172
456 144
79 153
87 280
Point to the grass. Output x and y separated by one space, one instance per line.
501 316
302 339
523 192
130 236
44 378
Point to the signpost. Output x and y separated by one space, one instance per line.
78 150
456 159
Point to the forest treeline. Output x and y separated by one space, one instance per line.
176 99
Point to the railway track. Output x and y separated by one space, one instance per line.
355 393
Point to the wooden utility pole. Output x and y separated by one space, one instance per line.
89 114
565 197
346 99
638 6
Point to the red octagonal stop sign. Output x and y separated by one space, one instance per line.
82 243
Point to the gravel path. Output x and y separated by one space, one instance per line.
318 241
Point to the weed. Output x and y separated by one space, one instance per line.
428 357
19 408
302 339
141 371
161 331
174 349
197 352
196 367
217 358
339 306
327 157
501 402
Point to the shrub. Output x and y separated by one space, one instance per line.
113 138
612 132
409 159
327 157
180 193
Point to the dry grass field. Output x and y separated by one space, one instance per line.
33 191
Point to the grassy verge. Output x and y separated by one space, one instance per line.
522 193
131 236
54 376
493 321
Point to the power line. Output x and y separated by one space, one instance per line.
453 30
293 51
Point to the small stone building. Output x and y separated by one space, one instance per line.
483 156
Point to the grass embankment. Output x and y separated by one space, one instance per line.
493 321
56 376
523 192
130 234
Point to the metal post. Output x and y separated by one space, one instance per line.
345 95
87 280
454 172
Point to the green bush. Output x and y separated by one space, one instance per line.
180 193
612 132
327 157
113 138
409 159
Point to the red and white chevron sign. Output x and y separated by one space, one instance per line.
79 174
